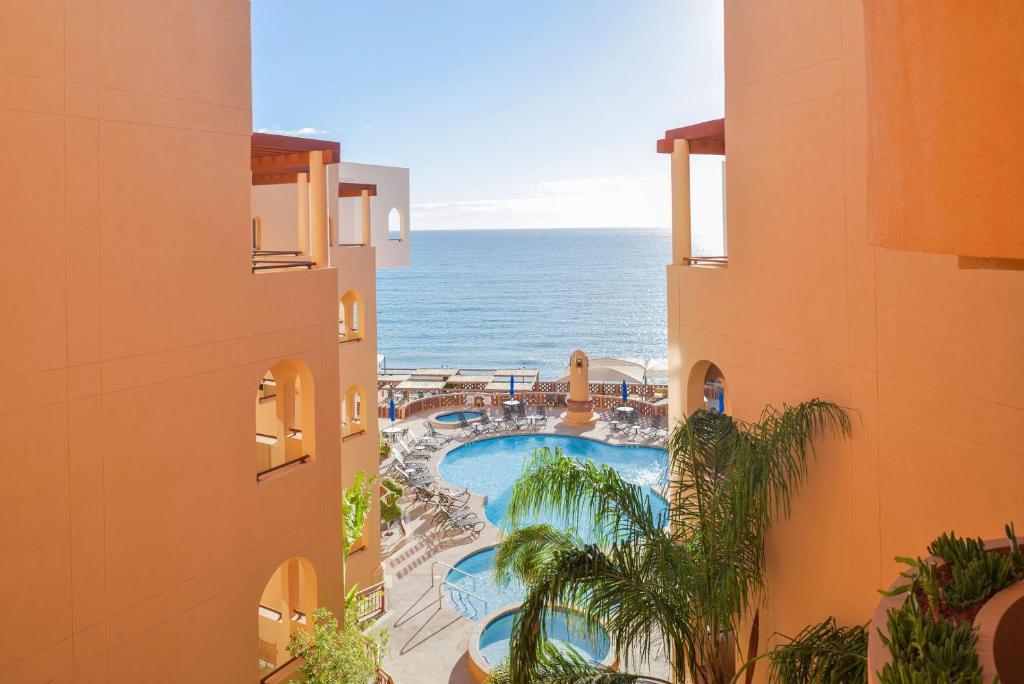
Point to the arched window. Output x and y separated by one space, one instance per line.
285 417
353 411
395 231
286 606
706 388
350 317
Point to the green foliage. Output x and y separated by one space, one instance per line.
392 486
390 510
334 654
957 550
355 506
928 651
923 575
980 579
383 449
684 580
824 653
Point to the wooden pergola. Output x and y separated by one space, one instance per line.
279 159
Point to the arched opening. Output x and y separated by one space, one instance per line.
286 606
285 417
707 388
353 411
396 225
350 315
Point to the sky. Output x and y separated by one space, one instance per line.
520 114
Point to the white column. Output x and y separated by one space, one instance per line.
681 202
365 198
302 201
318 209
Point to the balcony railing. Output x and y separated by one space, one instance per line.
263 473
716 261
374 602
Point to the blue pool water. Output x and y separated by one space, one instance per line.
491 467
592 644
487 596
453 417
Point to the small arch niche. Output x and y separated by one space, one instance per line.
707 388
350 317
285 417
286 606
353 411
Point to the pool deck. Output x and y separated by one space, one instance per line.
428 638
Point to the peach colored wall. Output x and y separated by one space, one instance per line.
945 102
924 354
136 539
357 363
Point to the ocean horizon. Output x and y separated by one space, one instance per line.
525 298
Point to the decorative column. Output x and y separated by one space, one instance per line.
365 198
302 202
681 202
318 209
579 406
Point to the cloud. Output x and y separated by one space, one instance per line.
617 201
306 130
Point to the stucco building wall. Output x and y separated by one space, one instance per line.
136 541
924 353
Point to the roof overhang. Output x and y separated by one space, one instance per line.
707 137
277 159
356 189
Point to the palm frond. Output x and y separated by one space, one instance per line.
527 552
580 492
824 653
555 666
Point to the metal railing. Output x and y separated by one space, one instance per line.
300 459
707 260
288 663
450 567
455 587
376 602
268 264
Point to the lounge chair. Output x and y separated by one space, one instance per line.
459 522
469 429
440 438
411 453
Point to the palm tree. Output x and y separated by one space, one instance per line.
680 581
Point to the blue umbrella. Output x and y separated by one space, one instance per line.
512 385
391 409
625 392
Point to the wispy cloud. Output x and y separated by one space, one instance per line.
306 130
575 202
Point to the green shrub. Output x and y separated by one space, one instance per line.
336 654
979 579
823 653
390 510
392 486
928 651
957 550
383 449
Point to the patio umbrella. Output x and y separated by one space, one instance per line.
625 392
391 409
512 385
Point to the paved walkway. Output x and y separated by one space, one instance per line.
429 639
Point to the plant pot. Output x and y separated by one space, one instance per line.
999 624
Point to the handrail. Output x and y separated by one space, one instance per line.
450 567
276 252
456 587
267 264
300 459
706 260
265 678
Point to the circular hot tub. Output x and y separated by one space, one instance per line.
490 643
453 419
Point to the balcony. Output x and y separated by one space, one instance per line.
699 236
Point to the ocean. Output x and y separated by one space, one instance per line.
524 298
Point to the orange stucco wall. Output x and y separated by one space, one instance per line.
945 103
135 540
924 354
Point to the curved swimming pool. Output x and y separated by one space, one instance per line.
490 467
452 417
472 591
563 632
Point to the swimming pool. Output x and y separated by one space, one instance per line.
475 593
452 417
491 466
563 632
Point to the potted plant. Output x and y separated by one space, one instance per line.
390 510
957 615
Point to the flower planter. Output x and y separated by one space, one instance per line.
999 625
